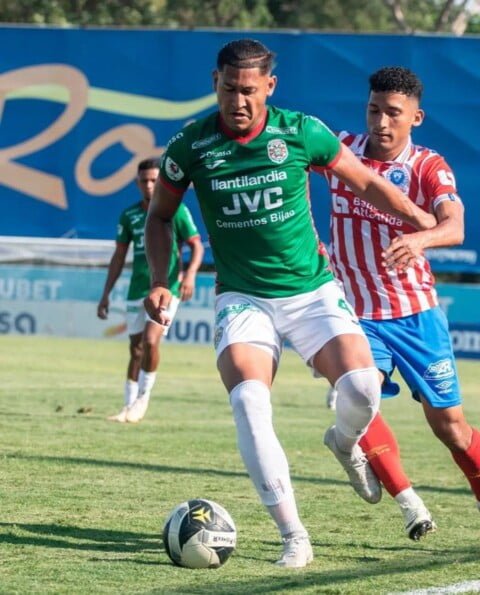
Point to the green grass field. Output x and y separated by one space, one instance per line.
83 500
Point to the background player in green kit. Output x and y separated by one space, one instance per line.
145 334
249 164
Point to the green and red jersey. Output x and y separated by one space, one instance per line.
131 228
254 197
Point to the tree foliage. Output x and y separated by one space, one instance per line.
392 16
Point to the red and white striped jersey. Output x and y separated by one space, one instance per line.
359 233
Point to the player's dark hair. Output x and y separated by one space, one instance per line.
246 53
150 163
396 79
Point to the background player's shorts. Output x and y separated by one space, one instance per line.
307 321
137 317
419 346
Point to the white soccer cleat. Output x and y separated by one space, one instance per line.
136 411
331 398
418 521
297 552
119 417
361 476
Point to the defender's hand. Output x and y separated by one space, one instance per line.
156 302
403 251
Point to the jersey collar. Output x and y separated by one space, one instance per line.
403 157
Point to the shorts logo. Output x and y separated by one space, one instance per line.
277 150
173 170
444 387
218 336
439 370
399 177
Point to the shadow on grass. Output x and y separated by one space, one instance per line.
366 569
205 471
78 538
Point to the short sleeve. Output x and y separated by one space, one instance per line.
123 230
322 145
438 182
174 164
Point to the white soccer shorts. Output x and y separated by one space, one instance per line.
306 321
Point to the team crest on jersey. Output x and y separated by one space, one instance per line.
173 170
277 150
398 176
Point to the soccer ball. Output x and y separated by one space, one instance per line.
199 534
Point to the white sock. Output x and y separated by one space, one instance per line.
263 454
130 392
285 515
408 498
146 380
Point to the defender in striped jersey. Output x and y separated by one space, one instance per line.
249 165
388 280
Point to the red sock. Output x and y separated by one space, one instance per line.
381 448
469 462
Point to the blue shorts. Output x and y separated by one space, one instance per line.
419 346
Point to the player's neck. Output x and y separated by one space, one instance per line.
249 135
378 153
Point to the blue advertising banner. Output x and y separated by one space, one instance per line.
62 301
80 108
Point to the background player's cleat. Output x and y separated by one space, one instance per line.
331 398
297 552
119 417
418 521
136 411
361 476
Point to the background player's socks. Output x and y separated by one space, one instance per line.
130 392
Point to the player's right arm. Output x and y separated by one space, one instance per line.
158 248
115 268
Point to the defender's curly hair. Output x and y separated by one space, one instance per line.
396 79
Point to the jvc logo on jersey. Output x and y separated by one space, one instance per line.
439 370
266 198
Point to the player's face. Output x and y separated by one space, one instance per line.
146 179
390 118
242 94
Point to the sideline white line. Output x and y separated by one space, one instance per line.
466 587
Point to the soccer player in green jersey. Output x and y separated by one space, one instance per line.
145 334
249 164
